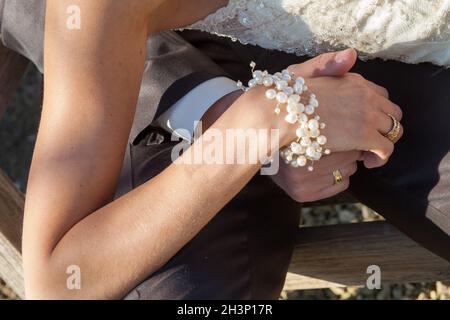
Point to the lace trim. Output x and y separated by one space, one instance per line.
295 26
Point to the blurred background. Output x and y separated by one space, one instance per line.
17 138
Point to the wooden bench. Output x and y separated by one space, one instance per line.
324 257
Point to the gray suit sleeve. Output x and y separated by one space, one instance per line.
173 68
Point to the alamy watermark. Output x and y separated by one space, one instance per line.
374 280
73 21
73 281
229 147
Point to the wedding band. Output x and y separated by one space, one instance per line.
337 176
395 131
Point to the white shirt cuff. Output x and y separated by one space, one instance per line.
181 118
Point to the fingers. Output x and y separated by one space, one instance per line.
336 160
378 89
335 189
381 146
327 178
328 64
386 124
372 161
389 107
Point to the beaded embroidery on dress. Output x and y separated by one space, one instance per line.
411 31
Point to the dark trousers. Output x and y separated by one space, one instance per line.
244 252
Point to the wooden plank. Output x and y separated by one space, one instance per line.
12 68
11 219
339 255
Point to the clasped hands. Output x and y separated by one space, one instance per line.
358 117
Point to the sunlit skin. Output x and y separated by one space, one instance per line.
92 81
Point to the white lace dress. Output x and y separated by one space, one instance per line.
411 31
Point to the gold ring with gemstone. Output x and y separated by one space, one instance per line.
338 178
395 131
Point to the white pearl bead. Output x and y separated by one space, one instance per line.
303 117
310 168
281 84
298 88
314 133
317 156
282 97
293 108
294 164
294 98
257 74
277 111
288 90
310 152
293 144
327 151
301 161
315 145
271 94
301 107
278 75
322 140
300 80
286 77
268 82
314 103
301 133
252 83
291 118
323 126
305 142
309 109
296 148
313 124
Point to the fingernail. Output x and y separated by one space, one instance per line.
341 56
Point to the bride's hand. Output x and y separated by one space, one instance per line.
356 112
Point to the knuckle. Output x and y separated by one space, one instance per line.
366 93
355 76
385 92
388 149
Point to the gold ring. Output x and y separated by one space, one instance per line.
338 178
395 131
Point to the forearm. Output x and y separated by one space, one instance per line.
120 244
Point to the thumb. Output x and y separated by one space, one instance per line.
328 64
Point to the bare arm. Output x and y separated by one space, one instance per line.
91 86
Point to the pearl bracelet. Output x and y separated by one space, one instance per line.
301 107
